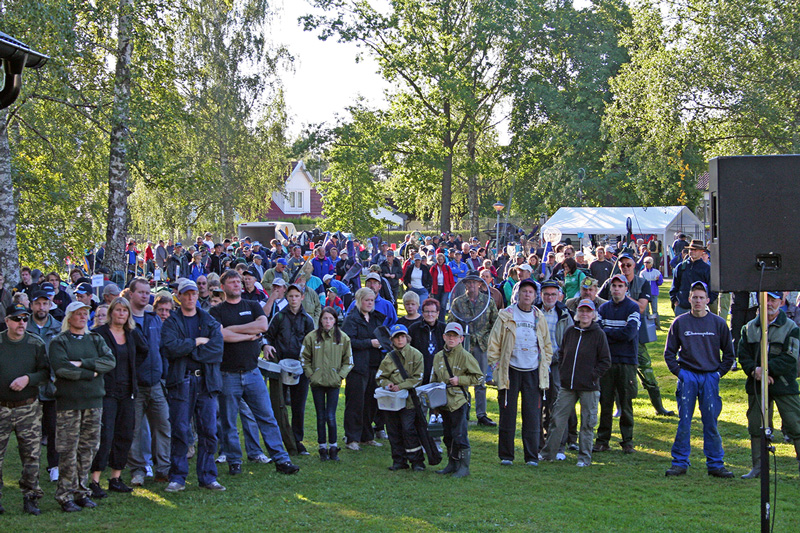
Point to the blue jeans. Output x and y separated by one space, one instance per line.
251 387
190 397
704 387
250 430
326 400
422 293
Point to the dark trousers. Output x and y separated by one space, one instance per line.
371 412
354 394
620 381
549 402
526 384
403 437
116 434
441 297
296 397
454 425
49 431
325 401
191 398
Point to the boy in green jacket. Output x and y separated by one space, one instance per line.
403 436
456 367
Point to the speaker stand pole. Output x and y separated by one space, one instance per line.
766 431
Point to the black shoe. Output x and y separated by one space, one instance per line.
600 447
573 447
720 472
31 506
323 454
301 450
115 484
486 421
628 449
70 507
97 491
333 453
675 471
287 468
398 466
2 509
418 468
86 502
235 469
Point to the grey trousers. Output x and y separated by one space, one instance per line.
152 402
567 398
480 390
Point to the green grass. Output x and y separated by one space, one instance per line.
618 493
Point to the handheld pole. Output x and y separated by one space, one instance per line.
766 432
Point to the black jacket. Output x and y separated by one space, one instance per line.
179 346
287 331
361 334
427 280
421 335
397 270
174 261
132 338
585 357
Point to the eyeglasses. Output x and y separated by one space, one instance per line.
18 318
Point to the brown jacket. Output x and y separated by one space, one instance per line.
501 343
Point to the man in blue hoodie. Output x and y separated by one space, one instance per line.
620 321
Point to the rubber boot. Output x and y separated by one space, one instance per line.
755 454
452 465
463 463
655 399
797 450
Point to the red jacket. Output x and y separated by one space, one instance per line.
449 281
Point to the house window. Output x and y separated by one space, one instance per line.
296 199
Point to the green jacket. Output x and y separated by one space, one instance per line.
464 366
478 329
326 363
784 344
25 357
413 364
78 387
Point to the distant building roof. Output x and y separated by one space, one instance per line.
702 181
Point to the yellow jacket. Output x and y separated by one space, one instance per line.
501 343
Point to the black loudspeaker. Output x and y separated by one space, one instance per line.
754 206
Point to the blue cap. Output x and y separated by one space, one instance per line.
700 285
281 261
775 294
626 255
397 329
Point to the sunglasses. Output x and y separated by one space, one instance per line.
18 318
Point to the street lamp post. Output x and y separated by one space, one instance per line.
497 207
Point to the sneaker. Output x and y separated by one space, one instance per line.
381 435
85 502
581 464
561 457
148 471
600 447
573 447
53 474
235 469
221 458
720 472
675 471
97 491
532 463
191 452
215 486
260 459
174 486
287 468
115 484
506 462
371 443
353 446
70 507
137 480
628 449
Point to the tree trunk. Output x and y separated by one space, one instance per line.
472 186
9 253
118 171
227 197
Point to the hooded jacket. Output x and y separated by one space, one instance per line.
784 342
327 362
501 344
585 357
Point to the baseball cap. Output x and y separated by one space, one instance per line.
626 255
281 261
16 310
74 306
587 303
186 285
588 282
278 282
618 277
111 289
397 329
551 285
775 294
372 275
248 273
417 257
526 266
530 282
703 286
256 243
48 288
327 277
454 327
83 288
333 290
390 252
178 244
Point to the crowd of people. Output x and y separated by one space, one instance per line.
164 362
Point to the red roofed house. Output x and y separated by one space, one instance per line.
299 197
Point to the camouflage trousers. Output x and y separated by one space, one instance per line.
26 422
77 441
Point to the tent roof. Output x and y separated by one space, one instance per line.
611 220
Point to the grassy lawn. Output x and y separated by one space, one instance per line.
618 493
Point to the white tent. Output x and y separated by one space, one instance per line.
663 222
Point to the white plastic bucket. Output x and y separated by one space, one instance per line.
290 371
391 401
433 395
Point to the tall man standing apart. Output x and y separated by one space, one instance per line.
783 336
23 367
692 353
243 323
152 399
